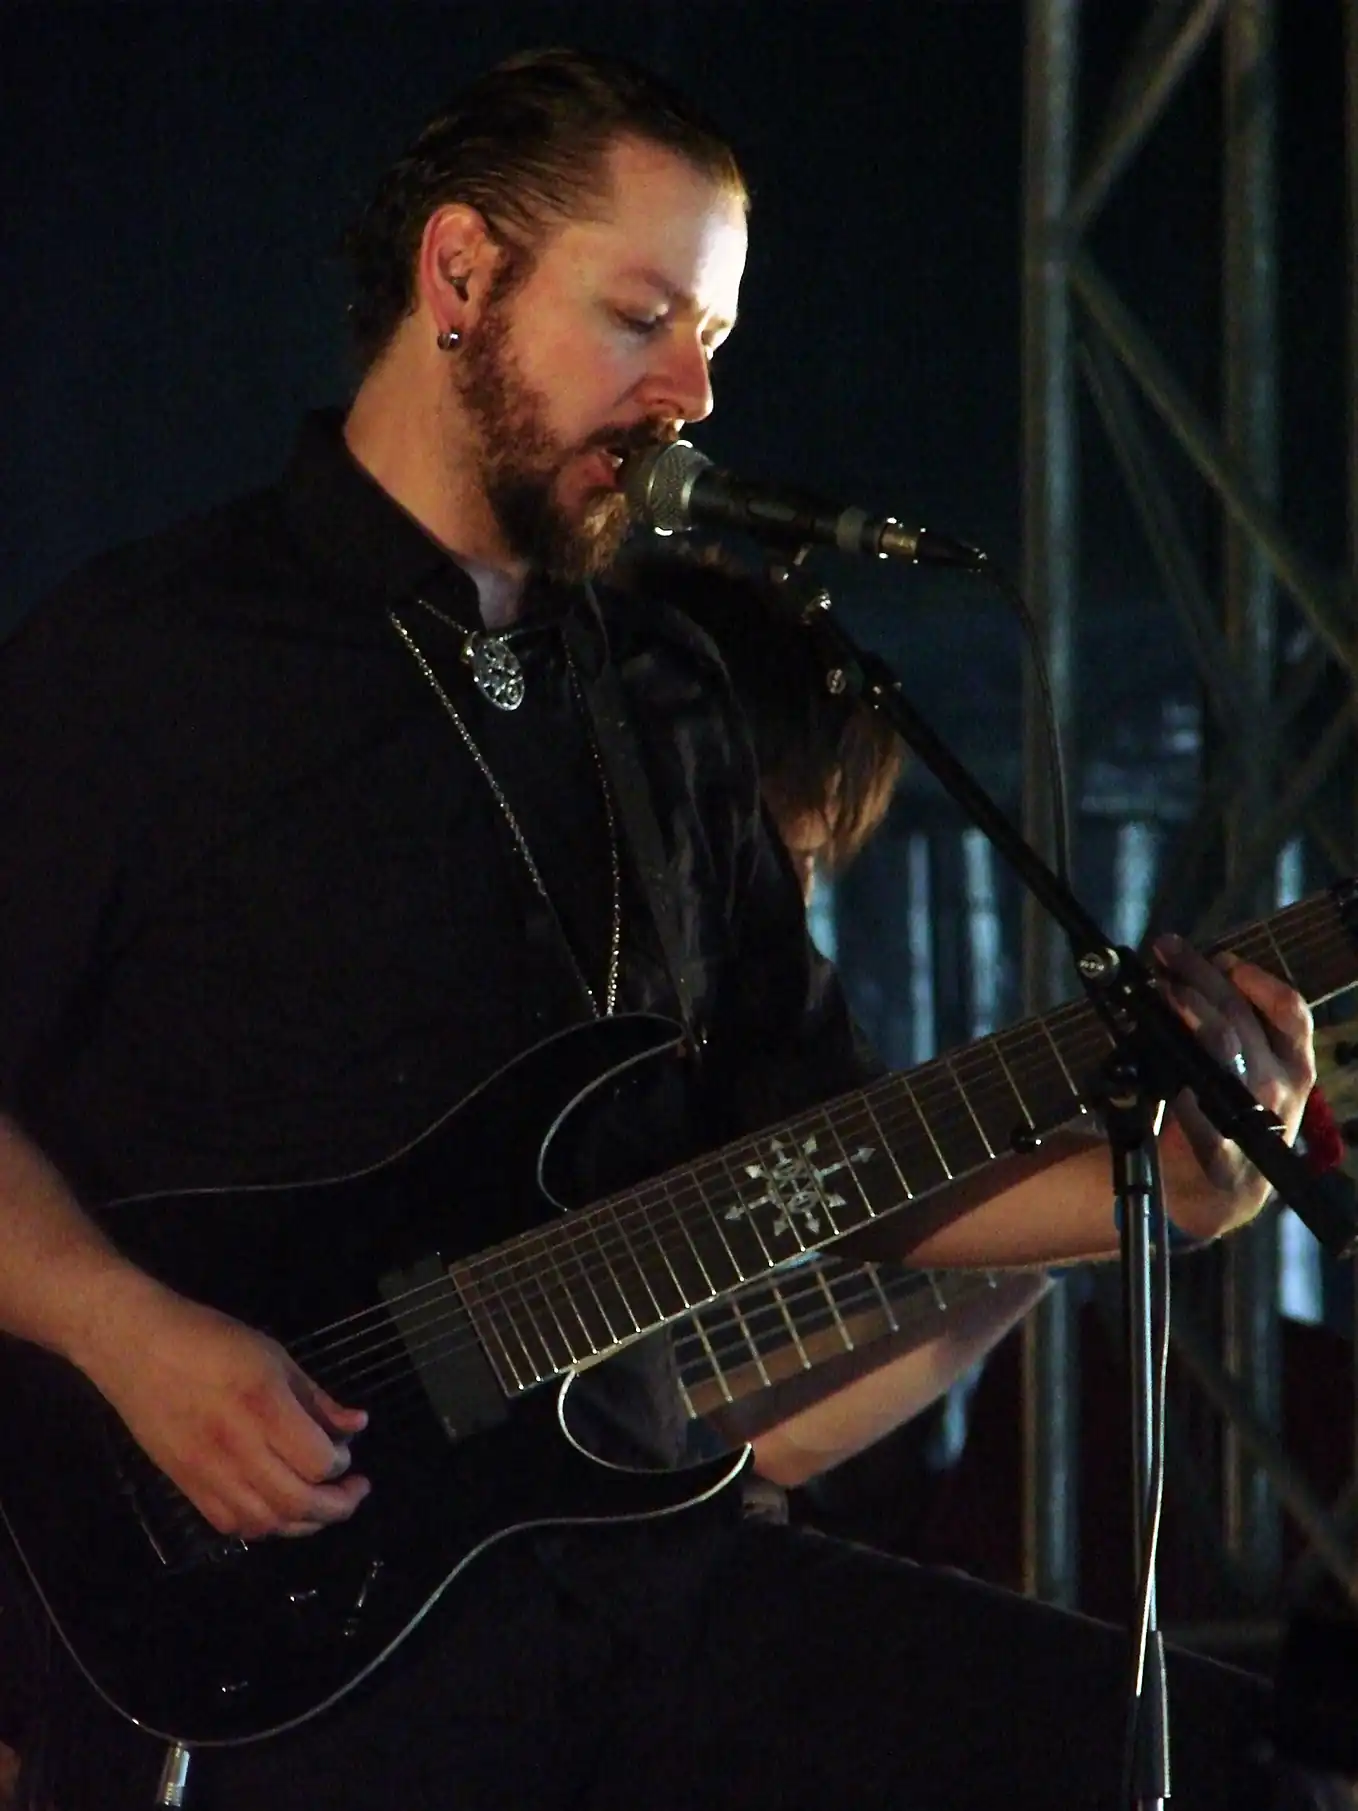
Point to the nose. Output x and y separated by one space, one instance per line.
680 387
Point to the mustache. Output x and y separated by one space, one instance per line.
641 437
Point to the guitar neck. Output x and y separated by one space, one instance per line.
604 1276
801 1320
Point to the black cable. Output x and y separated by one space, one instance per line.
1155 1492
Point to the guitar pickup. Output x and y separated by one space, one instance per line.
441 1344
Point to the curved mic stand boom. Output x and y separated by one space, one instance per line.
1154 1056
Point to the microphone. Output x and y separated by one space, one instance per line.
674 488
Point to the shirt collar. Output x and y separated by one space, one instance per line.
374 556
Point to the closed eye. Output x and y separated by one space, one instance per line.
642 325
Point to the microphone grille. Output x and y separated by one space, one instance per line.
659 483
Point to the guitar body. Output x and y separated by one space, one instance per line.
207 1641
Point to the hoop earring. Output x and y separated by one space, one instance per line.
448 340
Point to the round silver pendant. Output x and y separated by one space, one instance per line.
496 671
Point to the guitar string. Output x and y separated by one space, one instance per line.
960 1063
722 1360
555 1363
850 1292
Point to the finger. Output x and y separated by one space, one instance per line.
1218 1159
324 1408
213 1509
300 1440
1212 988
343 1460
1265 1051
296 1495
1283 1014
1225 1035
248 1515
337 1502
1262 1005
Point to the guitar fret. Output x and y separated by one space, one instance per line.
993 1096
885 1145
660 1314
874 1276
791 1326
847 1166
928 1129
529 1320
682 1298
1030 1051
998 1049
612 1285
838 1318
718 1370
579 1287
1051 1039
966 1102
585 1255
487 1324
948 1116
751 1345
750 1222
555 1286
564 1356
1278 951
708 1289
712 1246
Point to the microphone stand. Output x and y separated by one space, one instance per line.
1154 1056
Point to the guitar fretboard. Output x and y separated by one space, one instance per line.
603 1276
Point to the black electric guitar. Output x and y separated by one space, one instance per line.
203 1640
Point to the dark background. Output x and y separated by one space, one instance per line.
175 178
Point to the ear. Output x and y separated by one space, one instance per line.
452 270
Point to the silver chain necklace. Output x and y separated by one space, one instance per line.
520 841
494 665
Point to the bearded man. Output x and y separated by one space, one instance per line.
321 810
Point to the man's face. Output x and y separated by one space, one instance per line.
601 350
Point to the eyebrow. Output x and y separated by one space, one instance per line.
645 273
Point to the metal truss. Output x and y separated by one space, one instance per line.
1263 782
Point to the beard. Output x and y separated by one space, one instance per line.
522 461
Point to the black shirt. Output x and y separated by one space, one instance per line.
262 915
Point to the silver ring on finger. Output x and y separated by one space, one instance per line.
1240 1066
